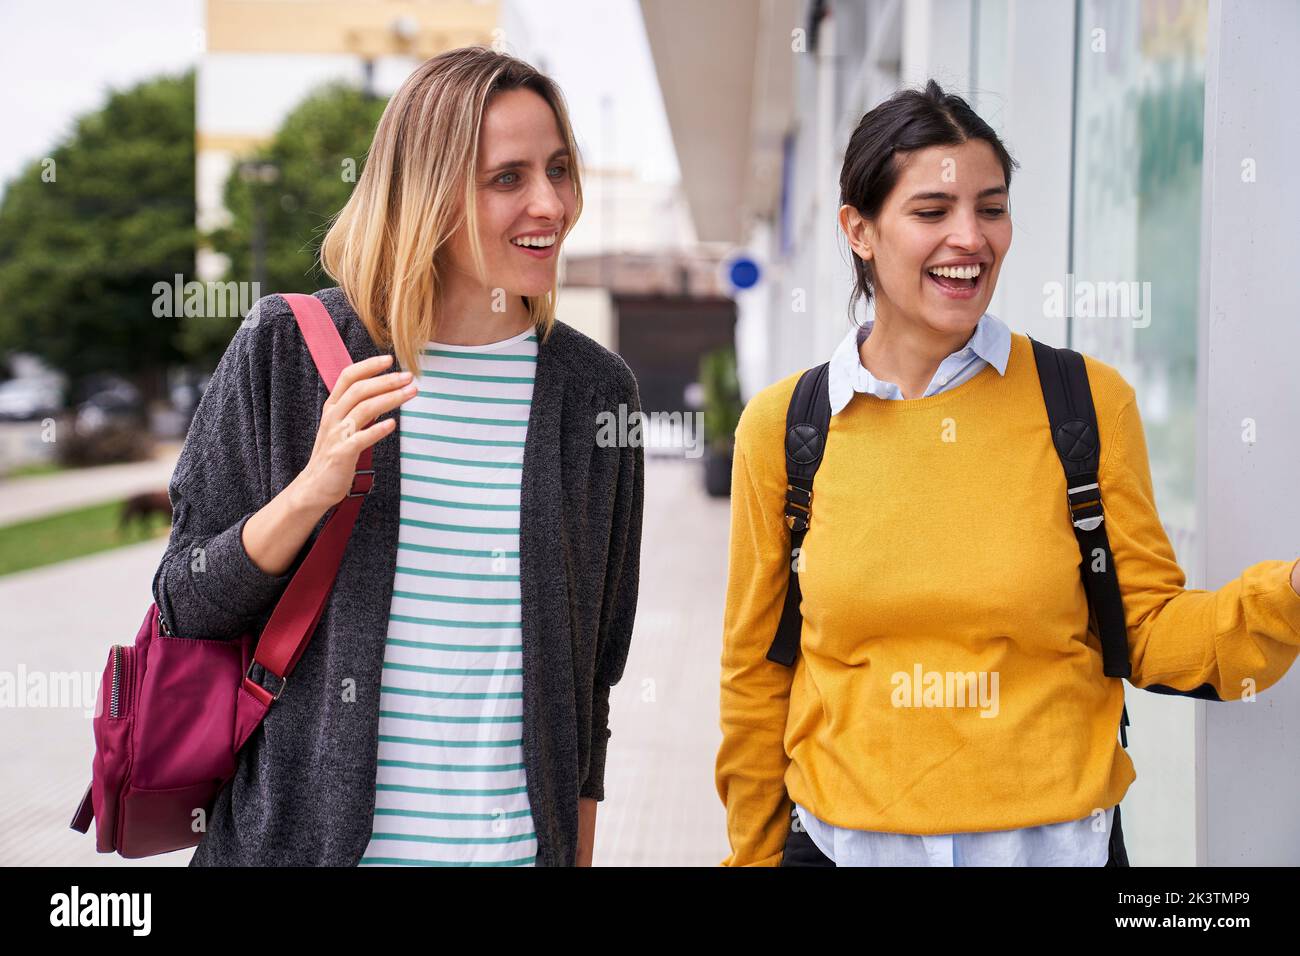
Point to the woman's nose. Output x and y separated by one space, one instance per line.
966 232
544 202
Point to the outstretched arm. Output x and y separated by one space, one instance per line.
1238 639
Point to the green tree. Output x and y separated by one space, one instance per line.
317 156
87 231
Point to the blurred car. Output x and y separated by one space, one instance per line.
110 400
187 391
23 399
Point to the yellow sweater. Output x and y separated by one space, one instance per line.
940 546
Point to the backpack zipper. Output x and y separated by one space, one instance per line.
114 698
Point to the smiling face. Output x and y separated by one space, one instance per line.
949 207
524 194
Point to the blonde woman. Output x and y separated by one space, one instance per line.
452 707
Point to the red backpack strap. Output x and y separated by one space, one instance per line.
299 610
323 340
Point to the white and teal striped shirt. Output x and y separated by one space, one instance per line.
450 787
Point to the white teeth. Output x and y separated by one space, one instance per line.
536 242
957 272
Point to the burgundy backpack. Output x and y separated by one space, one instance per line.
173 712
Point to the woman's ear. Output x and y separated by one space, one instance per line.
855 229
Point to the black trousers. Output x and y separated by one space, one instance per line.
800 850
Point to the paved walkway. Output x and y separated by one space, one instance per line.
660 808
22 499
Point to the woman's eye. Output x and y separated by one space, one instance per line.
562 171
936 213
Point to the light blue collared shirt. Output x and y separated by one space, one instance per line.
990 344
1084 842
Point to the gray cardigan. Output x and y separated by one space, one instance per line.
304 790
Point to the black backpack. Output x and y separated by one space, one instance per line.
1068 397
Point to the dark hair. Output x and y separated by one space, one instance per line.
907 121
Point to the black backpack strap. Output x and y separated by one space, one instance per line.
807 421
1064 380
1118 855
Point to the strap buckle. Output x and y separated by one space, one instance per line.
1086 514
353 492
799 499
248 676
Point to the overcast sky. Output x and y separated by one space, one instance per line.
60 58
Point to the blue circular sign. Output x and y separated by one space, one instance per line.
743 272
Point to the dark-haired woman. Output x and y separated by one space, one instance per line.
941 559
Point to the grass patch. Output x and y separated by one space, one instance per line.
71 534
37 468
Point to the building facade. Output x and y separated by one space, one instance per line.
1153 226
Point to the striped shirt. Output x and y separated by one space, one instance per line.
450 788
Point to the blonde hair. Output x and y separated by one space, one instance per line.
381 247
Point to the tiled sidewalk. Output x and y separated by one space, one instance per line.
660 808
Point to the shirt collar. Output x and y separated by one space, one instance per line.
991 341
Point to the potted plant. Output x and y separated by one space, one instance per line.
722 407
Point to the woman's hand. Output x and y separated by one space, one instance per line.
359 397
586 831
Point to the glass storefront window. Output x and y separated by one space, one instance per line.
1131 295
989 61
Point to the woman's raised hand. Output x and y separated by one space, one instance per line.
359 397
